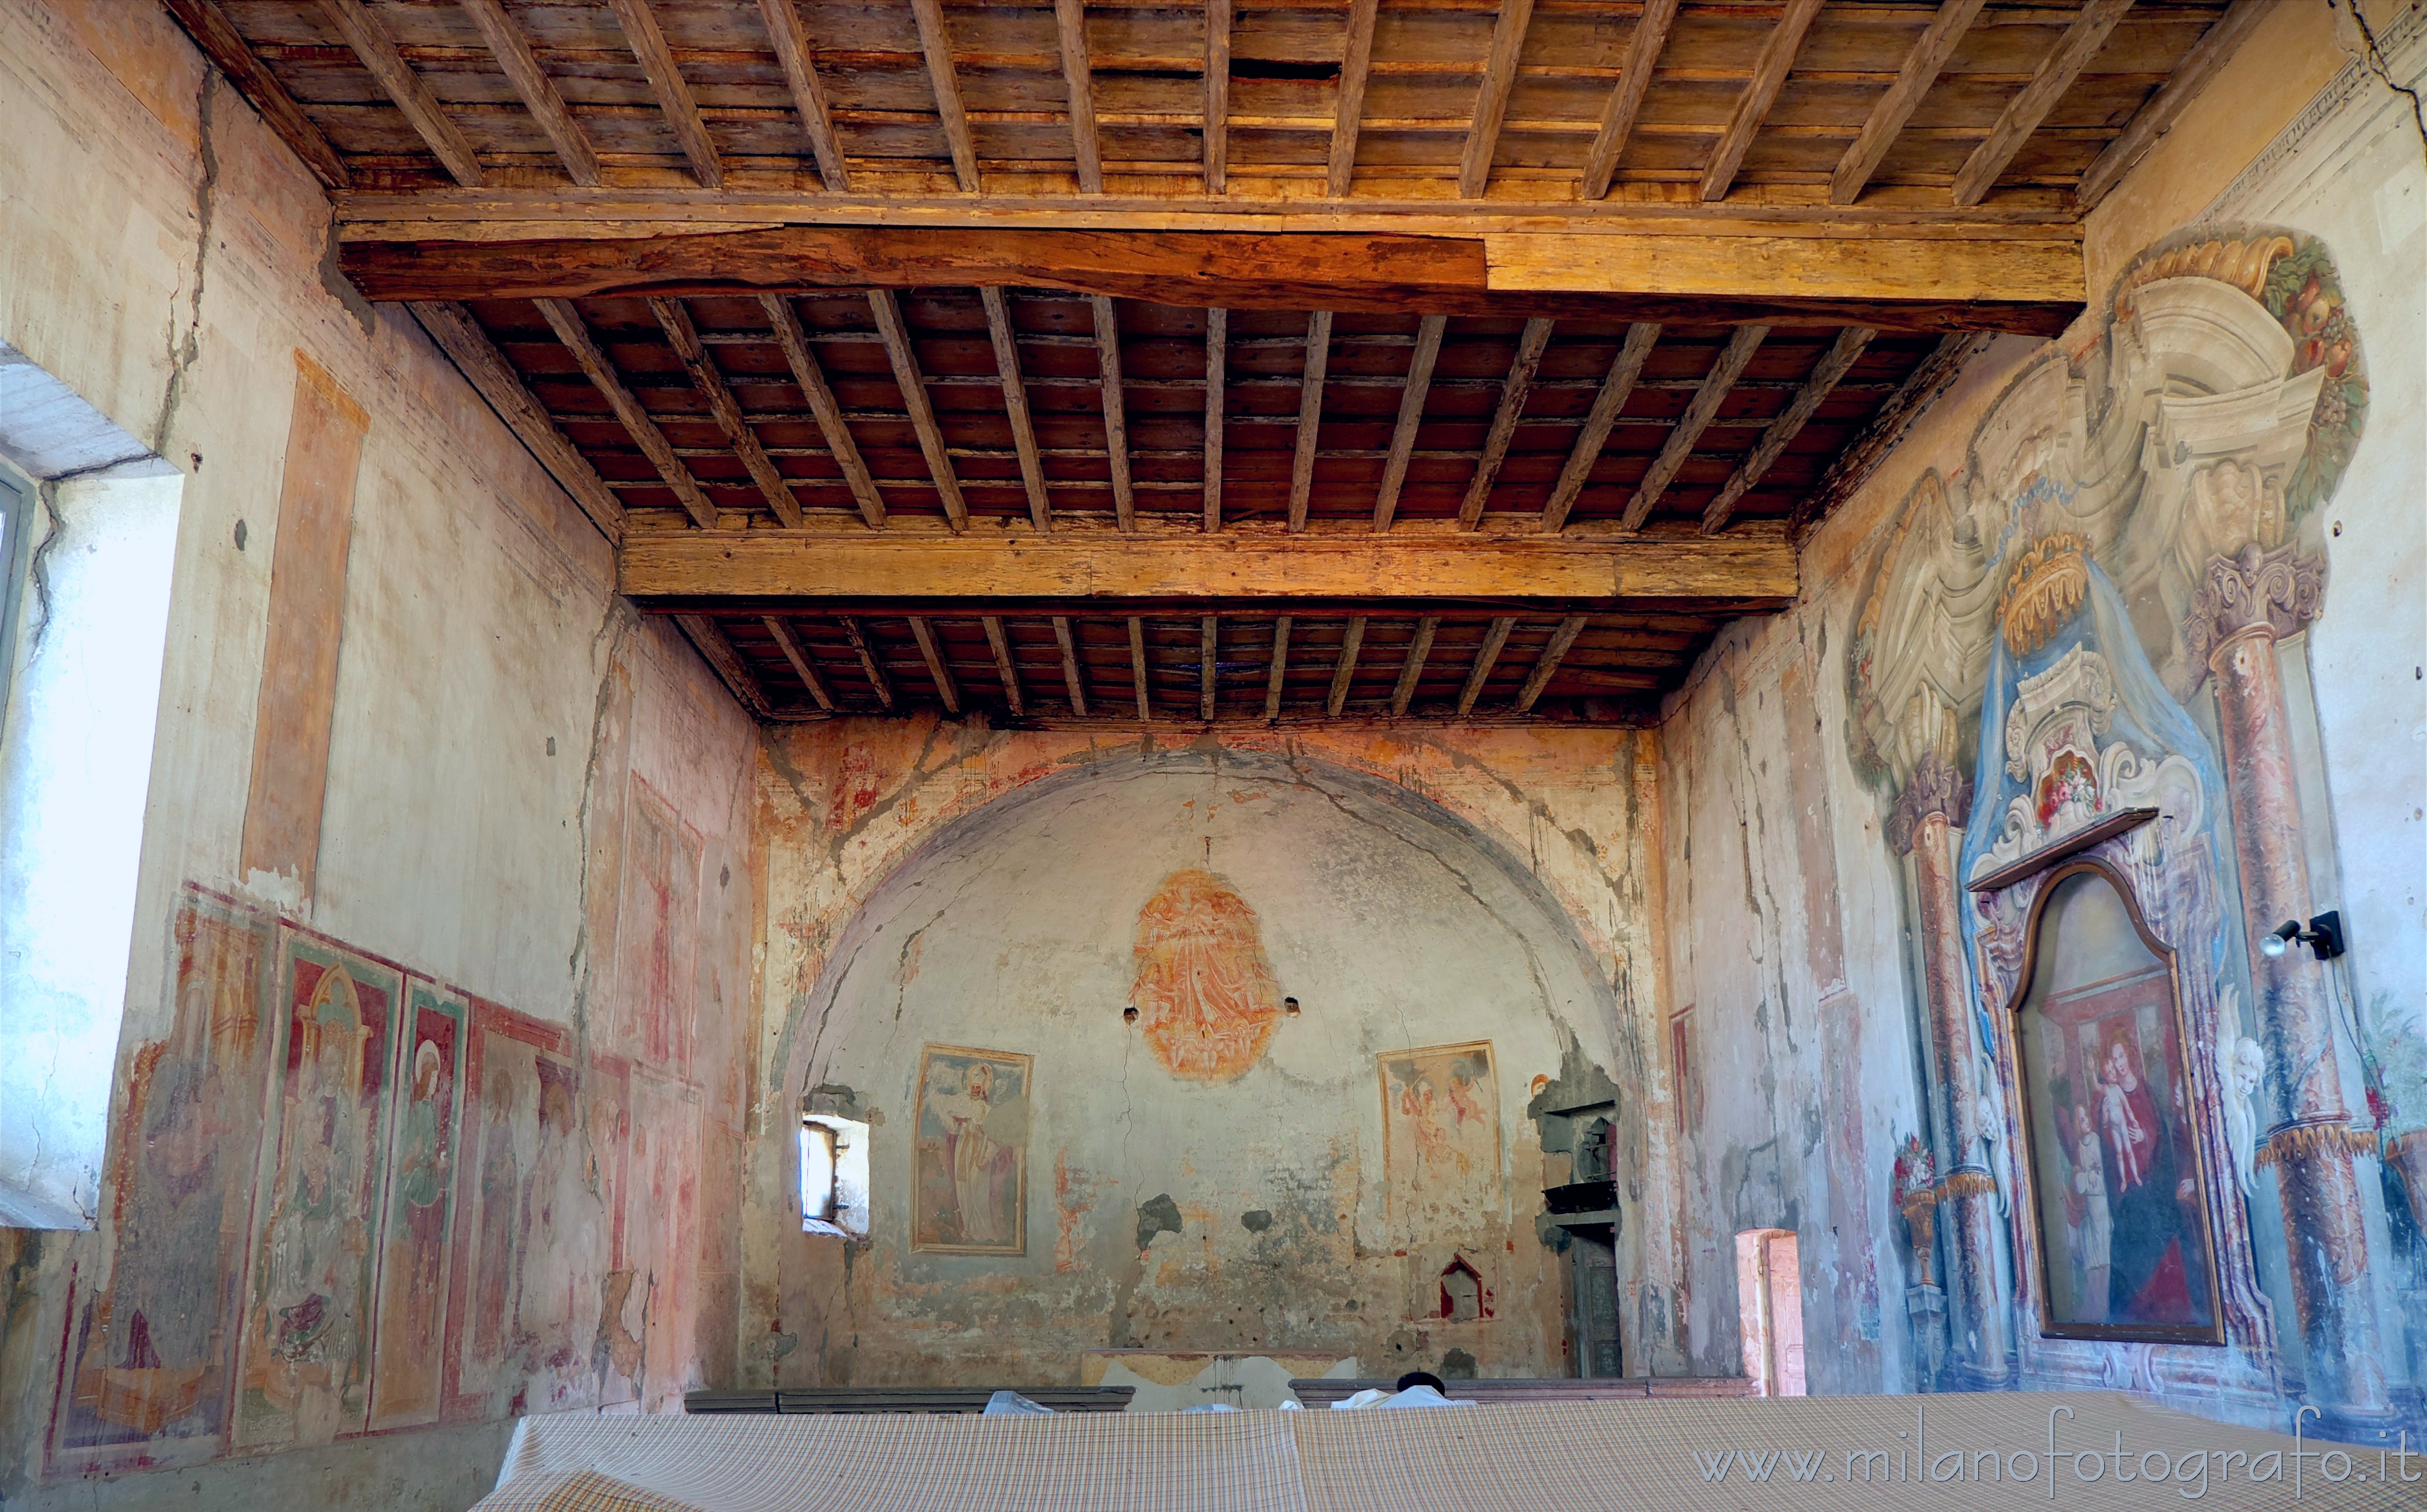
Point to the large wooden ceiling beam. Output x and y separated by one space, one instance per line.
1015 404
1530 346
674 319
648 45
937 45
1217 370
2192 75
1698 416
1355 61
1886 120
831 425
1217 95
913 385
1310 415
1643 49
1117 424
460 337
1411 417
538 91
1743 568
809 92
1078 80
370 41
1562 639
566 322
1753 108
1985 278
2028 108
225 46
1492 97
1826 375
1623 370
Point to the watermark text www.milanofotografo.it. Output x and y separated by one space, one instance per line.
2065 1458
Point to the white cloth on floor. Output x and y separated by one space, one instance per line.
1414 1396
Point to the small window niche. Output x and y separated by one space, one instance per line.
1463 1298
833 1175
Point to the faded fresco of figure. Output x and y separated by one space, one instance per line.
1206 996
2093 1220
971 1176
1440 1126
421 1167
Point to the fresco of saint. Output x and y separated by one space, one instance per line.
970 1169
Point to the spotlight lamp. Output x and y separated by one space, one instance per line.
2324 937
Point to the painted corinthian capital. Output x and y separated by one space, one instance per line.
1937 788
2273 593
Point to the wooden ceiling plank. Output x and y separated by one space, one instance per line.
1074 680
1279 669
1411 417
1688 429
1218 96
1004 667
823 404
1643 48
1485 656
1861 457
1355 61
1623 370
1208 682
460 337
537 91
791 40
372 43
1826 375
2189 79
1310 415
225 46
717 651
867 662
566 322
789 644
1886 120
1539 678
1412 669
1137 669
1078 79
1530 346
1116 426
934 655
1015 402
656 60
1217 370
673 318
2032 102
1753 108
937 45
1345 671
1491 98
906 377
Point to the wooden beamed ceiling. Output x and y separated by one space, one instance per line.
1211 361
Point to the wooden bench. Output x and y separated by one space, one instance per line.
906 1399
1322 1394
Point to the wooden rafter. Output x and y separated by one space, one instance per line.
938 45
1412 671
460 337
1117 425
1344 671
906 377
1208 682
1530 346
1217 368
791 42
1561 640
1310 415
566 322
1688 429
1411 417
370 41
1078 79
1278 672
1217 95
648 45
225 46
538 91
789 644
1074 679
2028 108
1485 656
1826 375
1137 669
812 379
1015 404
1356 61
1492 97
1886 120
1623 370
934 655
1004 667
673 318
1643 48
718 651
1887 426
867 662
1753 108
2199 67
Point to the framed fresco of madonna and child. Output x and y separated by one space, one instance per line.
2127 1240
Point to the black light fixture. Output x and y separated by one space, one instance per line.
2324 937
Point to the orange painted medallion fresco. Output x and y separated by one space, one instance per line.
1205 994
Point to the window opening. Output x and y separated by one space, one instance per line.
833 1175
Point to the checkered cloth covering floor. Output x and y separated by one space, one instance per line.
1935 1453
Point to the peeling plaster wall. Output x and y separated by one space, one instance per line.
501 725
1343 843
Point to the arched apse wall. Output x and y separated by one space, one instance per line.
1266 1203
